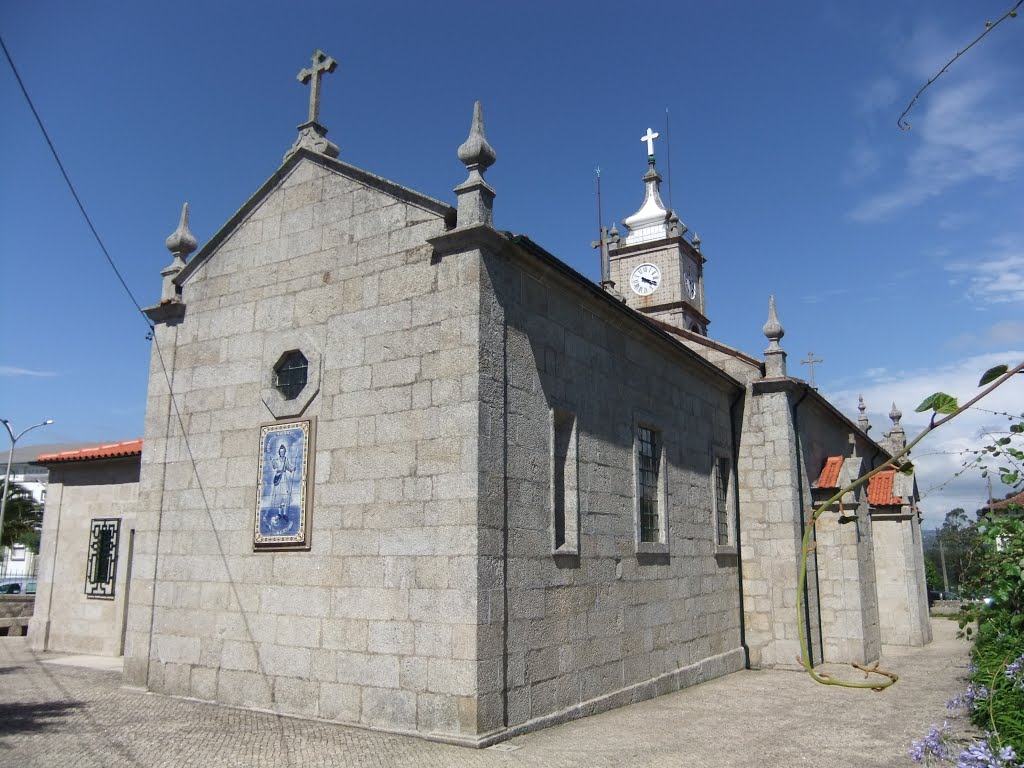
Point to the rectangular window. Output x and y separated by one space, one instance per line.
648 463
17 552
564 482
101 565
723 474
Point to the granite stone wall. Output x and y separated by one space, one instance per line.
844 554
65 618
772 492
603 621
899 565
376 624
788 434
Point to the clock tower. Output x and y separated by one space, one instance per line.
659 270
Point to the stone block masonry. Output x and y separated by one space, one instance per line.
364 626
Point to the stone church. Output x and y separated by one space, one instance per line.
404 470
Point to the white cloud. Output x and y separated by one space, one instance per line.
824 295
863 161
878 95
11 370
953 220
998 334
996 276
961 136
939 456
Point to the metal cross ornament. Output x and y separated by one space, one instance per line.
322 63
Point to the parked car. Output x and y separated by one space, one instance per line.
10 588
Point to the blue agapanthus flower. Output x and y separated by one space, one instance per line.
933 745
1015 672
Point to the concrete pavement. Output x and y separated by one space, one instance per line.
63 715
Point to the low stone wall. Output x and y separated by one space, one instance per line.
15 611
945 607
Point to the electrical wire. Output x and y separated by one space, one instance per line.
71 187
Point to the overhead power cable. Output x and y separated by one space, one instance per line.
71 187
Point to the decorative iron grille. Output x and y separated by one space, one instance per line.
291 373
101 566
649 461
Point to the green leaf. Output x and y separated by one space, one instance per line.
940 402
907 468
992 374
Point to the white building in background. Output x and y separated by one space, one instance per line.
18 563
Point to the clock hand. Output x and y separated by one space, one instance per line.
649 282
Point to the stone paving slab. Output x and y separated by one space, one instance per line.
106 663
59 715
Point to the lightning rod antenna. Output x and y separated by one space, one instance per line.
668 152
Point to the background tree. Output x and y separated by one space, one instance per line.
23 518
958 537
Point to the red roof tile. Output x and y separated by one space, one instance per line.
1018 499
107 451
880 490
829 477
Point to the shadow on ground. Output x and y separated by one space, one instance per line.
18 717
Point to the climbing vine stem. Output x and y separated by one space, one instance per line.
944 408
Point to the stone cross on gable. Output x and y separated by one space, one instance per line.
322 63
649 137
810 361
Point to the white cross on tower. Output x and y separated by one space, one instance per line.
321 63
649 138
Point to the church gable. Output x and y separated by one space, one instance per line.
315 215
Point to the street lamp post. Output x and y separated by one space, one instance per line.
10 458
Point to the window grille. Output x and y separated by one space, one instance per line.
722 473
290 374
101 566
648 466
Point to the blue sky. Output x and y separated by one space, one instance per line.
898 257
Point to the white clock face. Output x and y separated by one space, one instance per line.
691 285
645 279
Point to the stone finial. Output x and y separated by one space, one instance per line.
476 197
676 228
895 414
773 329
180 243
774 356
862 420
897 437
614 234
475 152
312 135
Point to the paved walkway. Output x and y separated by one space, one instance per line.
62 715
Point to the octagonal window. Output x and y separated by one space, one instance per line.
290 374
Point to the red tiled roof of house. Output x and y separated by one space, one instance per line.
1018 499
106 451
829 477
880 490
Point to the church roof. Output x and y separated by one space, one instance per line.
658 328
880 490
829 477
105 451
